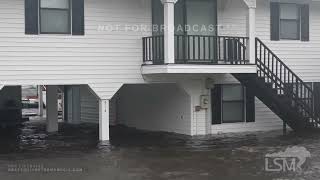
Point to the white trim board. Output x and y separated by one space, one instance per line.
197 69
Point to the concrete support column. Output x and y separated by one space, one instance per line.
104 120
76 108
40 101
168 6
52 108
251 27
198 115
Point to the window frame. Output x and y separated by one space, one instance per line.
69 10
243 101
298 6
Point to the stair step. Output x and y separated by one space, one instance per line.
268 85
261 79
278 91
283 96
275 91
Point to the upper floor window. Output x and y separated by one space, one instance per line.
199 15
55 17
289 21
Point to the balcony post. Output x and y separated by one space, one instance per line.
251 27
168 6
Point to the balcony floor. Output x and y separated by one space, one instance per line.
197 69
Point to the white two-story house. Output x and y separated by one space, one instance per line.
192 67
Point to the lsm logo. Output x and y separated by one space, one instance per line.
291 159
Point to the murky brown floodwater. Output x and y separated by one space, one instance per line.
141 155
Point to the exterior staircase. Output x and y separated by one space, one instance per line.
278 87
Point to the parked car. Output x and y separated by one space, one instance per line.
30 108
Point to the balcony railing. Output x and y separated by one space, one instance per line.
153 50
198 49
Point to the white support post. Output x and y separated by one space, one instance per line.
52 108
252 4
252 34
168 6
40 101
104 120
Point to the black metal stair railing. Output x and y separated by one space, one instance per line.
284 81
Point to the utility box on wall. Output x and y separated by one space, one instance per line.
204 101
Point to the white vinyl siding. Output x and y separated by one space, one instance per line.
232 21
107 59
265 119
103 59
89 106
301 57
151 107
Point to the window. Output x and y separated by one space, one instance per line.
290 21
232 103
55 17
202 13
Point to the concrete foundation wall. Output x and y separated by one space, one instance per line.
196 85
155 107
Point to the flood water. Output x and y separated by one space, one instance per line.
75 153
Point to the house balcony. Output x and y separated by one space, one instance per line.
197 54
178 46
